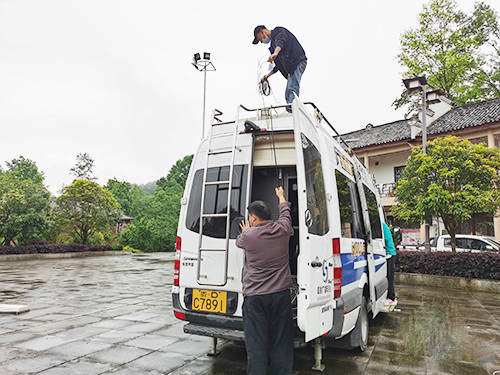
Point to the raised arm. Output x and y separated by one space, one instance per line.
285 217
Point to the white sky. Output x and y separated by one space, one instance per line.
113 77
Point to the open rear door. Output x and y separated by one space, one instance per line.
315 265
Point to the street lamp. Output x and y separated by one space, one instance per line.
203 65
415 85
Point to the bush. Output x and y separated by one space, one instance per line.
44 248
484 265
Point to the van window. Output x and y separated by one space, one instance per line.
317 222
371 202
461 243
350 212
216 201
476 244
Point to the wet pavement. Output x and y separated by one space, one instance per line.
113 315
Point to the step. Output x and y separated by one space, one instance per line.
216 183
214 215
224 151
224 333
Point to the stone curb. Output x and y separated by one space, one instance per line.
449 282
82 254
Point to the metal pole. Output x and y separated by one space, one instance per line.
427 245
204 99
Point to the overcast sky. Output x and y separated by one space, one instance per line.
113 77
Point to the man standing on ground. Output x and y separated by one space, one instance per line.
287 54
390 251
267 311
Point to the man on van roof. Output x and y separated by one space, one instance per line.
267 311
287 54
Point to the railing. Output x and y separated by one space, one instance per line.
386 190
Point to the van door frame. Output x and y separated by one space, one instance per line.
314 270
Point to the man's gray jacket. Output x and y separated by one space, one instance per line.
266 269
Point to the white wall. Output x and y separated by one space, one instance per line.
384 171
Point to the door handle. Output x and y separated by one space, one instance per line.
315 264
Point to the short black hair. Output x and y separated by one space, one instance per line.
260 209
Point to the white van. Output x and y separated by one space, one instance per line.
337 254
465 242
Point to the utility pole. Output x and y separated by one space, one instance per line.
414 85
203 65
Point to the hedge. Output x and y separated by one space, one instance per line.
484 265
43 247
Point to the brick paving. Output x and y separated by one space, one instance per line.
113 315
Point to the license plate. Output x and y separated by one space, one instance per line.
209 300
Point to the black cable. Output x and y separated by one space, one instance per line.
280 180
265 87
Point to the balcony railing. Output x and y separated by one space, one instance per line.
386 190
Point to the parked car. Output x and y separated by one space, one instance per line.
465 242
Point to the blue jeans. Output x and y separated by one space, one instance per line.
293 83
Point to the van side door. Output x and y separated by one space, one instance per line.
314 265
377 265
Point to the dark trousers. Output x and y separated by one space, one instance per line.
391 267
268 333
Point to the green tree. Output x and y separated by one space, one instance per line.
155 228
84 167
454 180
131 197
459 53
24 202
85 208
178 172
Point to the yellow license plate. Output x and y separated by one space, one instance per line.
209 300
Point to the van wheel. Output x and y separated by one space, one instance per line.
361 328
358 337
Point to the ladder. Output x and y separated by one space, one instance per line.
201 278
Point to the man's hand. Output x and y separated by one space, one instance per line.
272 57
244 225
266 76
280 193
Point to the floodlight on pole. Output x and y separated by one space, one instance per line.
203 65
414 85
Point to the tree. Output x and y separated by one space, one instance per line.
178 172
459 53
84 208
131 197
24 202
155 228
454 180
84 167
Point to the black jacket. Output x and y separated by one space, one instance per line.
291 53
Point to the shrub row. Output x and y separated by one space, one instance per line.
43 247
484 265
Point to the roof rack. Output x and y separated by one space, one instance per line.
318 112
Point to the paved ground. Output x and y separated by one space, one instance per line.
112 315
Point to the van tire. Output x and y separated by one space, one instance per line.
358 337
360 331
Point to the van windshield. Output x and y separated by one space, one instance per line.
216 201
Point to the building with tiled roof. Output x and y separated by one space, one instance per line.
385 148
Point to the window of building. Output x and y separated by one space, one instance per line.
373 213
398 172
350 211
317 214
476 141
216 201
